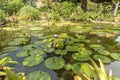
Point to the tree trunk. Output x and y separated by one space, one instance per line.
84 5
116 8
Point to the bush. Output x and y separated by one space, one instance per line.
29 13
2 15
12 6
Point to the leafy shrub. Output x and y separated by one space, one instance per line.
2 15
12 6
29 13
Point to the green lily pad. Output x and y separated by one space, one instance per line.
49 50
29 47
104 59
33 60
38 75
22 54
72 48
18 41
54 63
97 47
10 49
36 51
104 52
115 56
81 57
61 52
76 66
81 37
39 43
68 66
85 51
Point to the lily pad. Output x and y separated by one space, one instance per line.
33 60
49 50
10 49
54 63
3 55
81 37
29 47
22 54
61 52
85 51
36 51
38 75
68 66
104 59
97 47
72 48
18 41
81 57
104 52
76 66
115 56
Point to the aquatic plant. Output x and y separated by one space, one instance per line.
38 75
33 60
97 73
57 63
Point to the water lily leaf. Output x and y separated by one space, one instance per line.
85 51
36 51
81 37
54 63
29 47
72 48
38 75
39 43
68 66
104 59
10 49
33 60
104 52
61 52
115 56
49 50
18 41
22 54
76 66
81 57
97 47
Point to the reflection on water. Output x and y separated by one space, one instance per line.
115 66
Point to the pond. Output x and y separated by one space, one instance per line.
110 44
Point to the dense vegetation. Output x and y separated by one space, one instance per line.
68 37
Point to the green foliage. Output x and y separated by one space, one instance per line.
104 59
33 60
29 13
3 15
12 6
54 63
18 41
12 76
115 56
38 75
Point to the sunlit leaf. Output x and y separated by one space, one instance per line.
33 60
22 54
115 56
38 75
104 59
54 63
61 52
